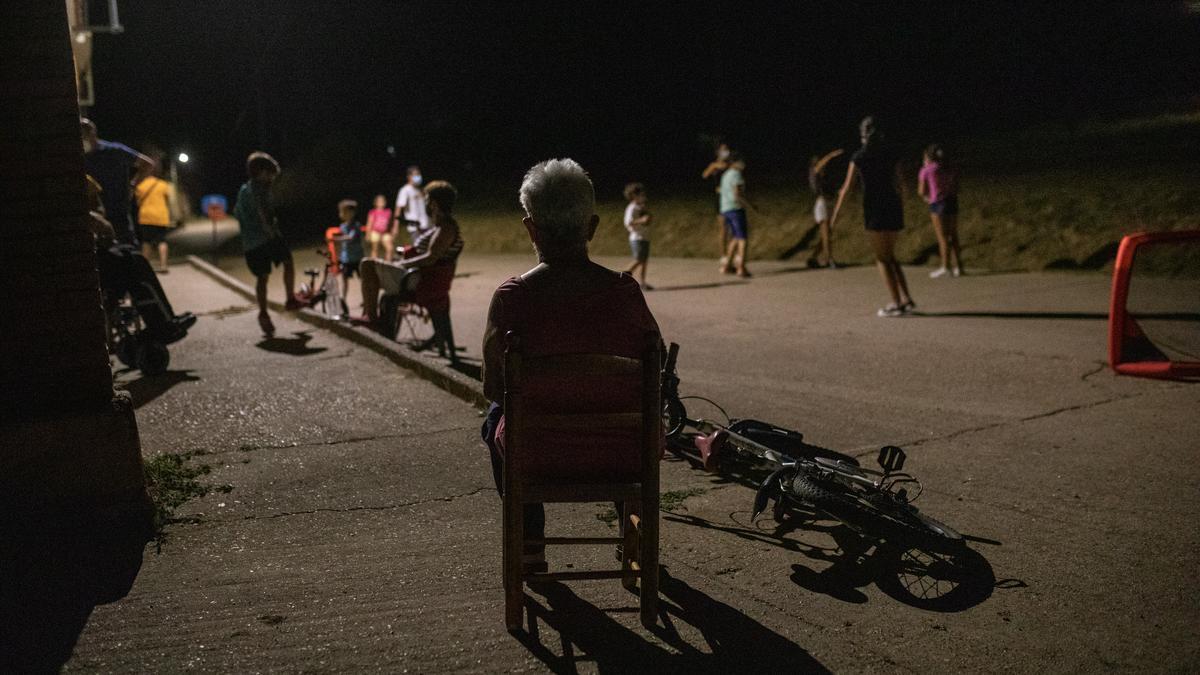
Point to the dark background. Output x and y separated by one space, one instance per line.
477 92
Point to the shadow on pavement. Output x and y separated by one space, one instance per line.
693 287
1097 316
914 577
149 387
586 633
54 569
295 346
471 368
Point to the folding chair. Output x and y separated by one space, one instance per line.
639 492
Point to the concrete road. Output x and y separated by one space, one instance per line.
363 532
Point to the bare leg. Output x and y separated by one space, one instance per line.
289 278
940 230
950 226
643 270
883 244
724 234
389 246
826 244
370 288
146 251
739 260
901 282
162 255
260 292
727 260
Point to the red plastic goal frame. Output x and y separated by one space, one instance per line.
1124 333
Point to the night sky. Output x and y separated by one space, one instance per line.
479 91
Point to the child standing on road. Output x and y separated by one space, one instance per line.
262 240
410 207
379 220
733 208
825 189
937 183
349 241
637 221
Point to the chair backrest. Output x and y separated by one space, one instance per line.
630 385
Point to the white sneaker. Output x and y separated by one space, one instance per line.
958 272
891 311
939 273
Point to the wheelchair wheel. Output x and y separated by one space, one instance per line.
126 350
152 357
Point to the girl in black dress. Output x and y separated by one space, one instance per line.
883 213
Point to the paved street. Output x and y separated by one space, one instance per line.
363 531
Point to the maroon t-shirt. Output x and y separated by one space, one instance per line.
611 318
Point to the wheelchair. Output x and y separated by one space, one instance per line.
141 322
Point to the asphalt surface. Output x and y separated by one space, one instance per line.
363 531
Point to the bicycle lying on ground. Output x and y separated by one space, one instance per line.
876 504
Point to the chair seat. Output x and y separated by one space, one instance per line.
581 492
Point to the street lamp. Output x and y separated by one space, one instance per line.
183 158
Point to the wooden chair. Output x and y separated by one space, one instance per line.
640 495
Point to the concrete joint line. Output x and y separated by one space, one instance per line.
440 375
867 451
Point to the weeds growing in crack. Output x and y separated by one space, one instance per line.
172 480
671 500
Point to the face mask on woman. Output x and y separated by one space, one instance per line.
416 179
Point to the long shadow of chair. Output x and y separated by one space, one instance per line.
718 637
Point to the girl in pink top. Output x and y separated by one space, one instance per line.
937 183
379 221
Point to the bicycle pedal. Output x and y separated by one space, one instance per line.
891 458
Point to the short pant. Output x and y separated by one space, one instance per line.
945 207
374 237
349 270
821 209
152 234
640 249
735 223
260 259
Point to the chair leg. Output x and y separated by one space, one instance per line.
648 553
514 543
630 547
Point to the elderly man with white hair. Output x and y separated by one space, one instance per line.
567 304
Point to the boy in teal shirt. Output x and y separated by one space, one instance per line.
262 241
733 208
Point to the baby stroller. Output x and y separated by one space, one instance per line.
140 319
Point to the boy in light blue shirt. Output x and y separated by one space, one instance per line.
733 208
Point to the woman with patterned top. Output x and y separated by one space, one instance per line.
435 253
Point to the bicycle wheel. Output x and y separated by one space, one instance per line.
876 516
938 582
674 414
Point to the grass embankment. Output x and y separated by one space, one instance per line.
1048 198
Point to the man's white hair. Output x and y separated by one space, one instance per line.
558 195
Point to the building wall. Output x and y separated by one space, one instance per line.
63 432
